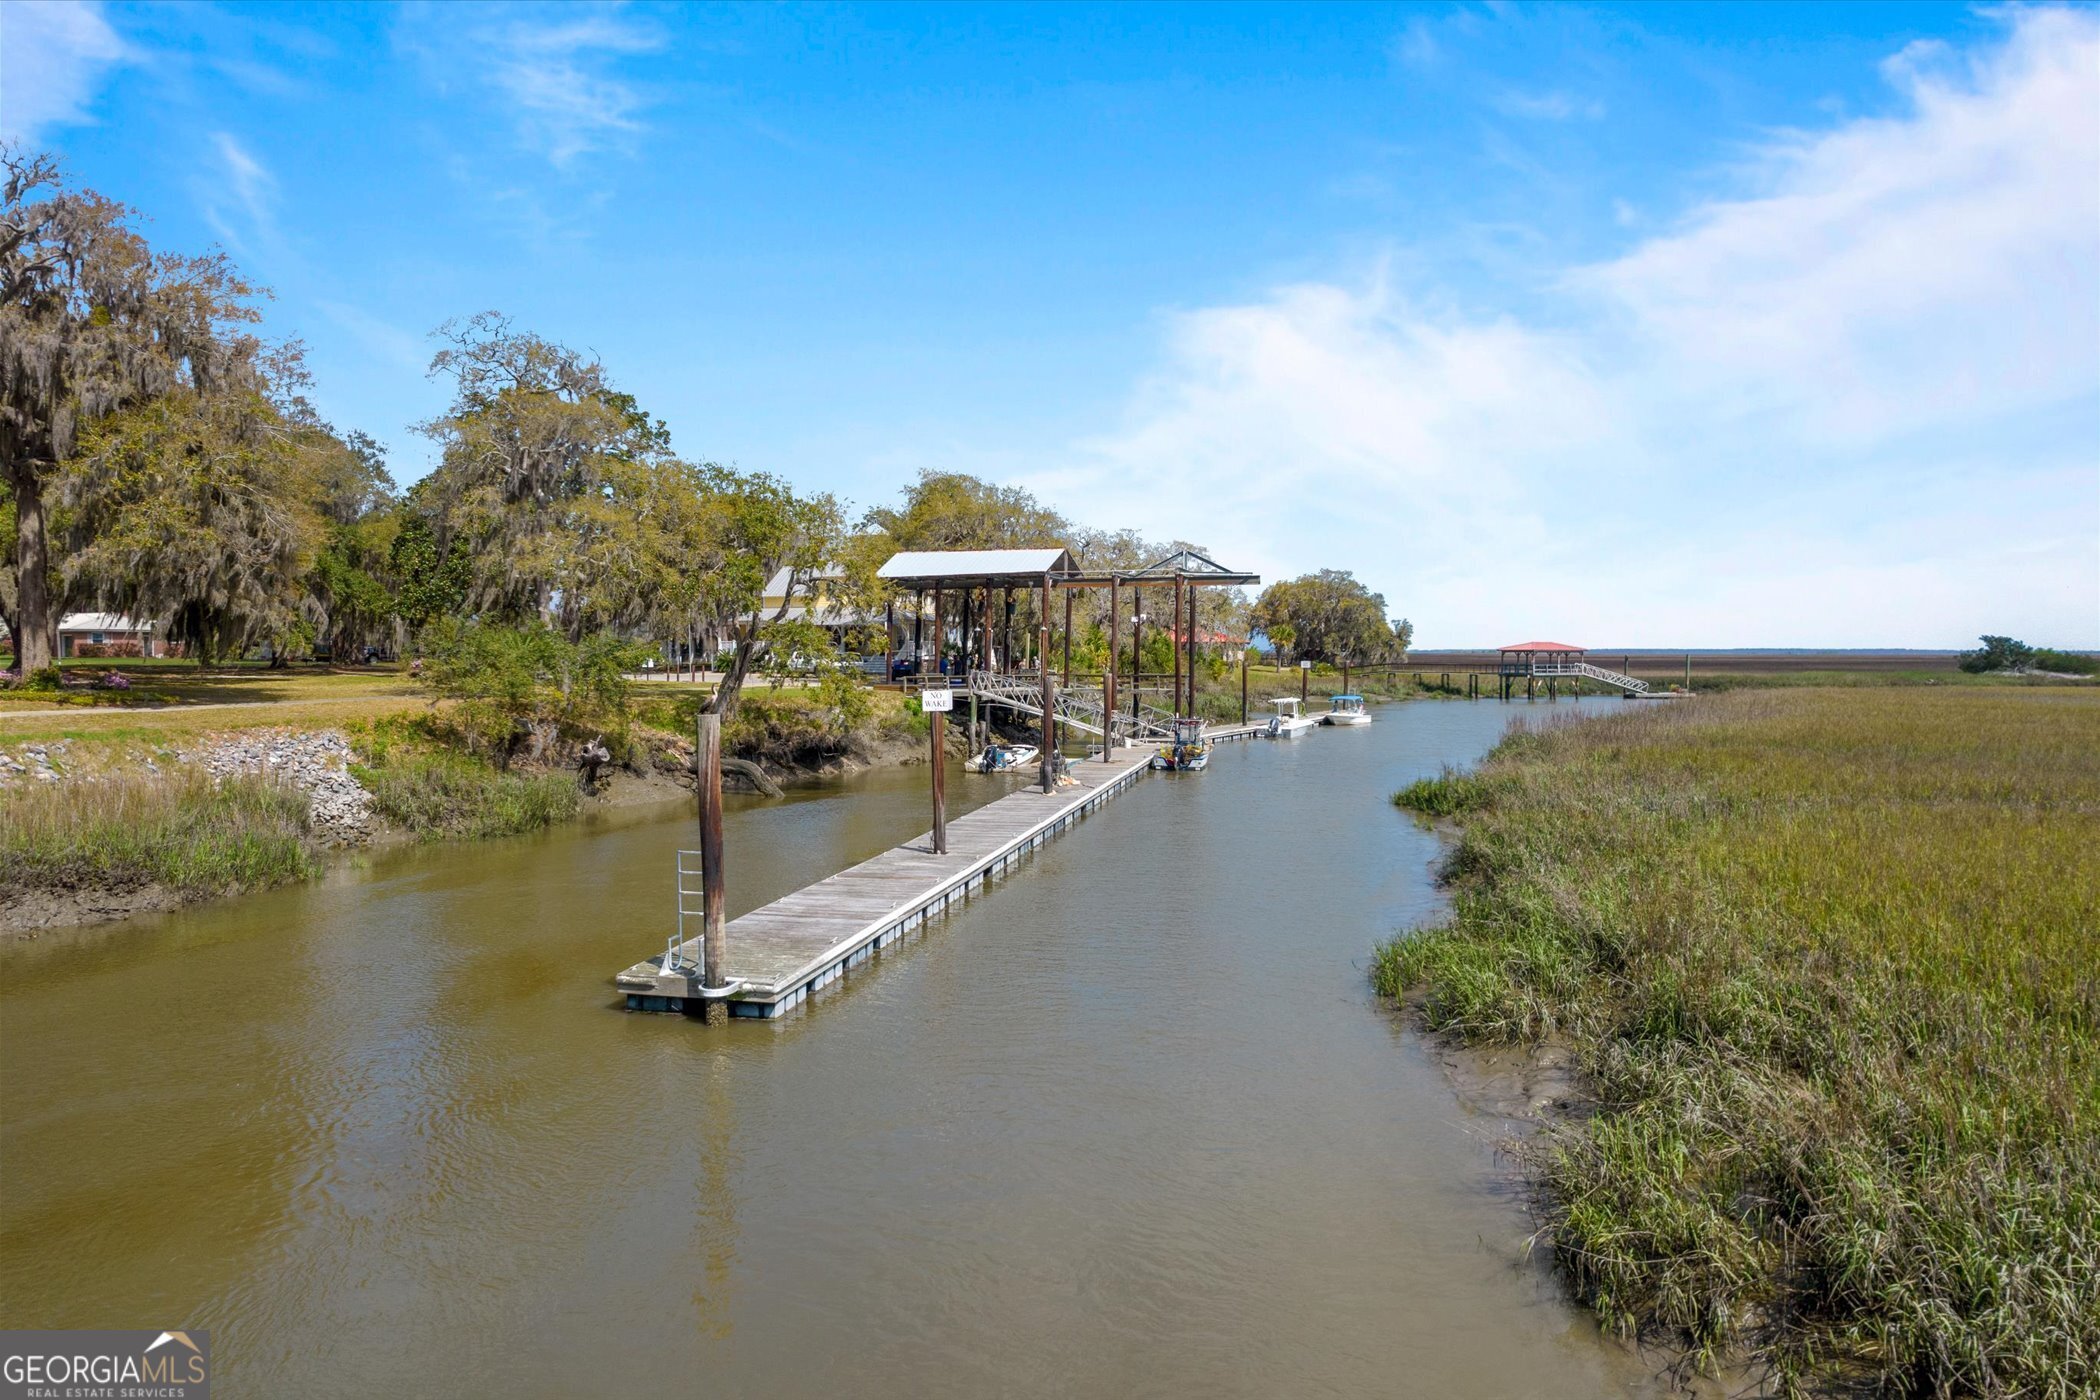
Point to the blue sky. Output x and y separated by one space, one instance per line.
1652 325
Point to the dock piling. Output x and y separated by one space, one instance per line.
714 942
940 782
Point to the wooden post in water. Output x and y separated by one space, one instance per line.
1176 622
714 941
1049 764
1067 682
1304 682
1137 653
940 781
918 632
936 631
1192 650
1243 683
1108 672
889 639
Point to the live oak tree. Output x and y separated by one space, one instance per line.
755 526
352 581
205 507
1329 616
543 465
93 323
953 510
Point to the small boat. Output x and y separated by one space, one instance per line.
1346 709
1190 751
1003 758
1287 722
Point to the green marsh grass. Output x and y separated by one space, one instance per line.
438 794
1831 963
182 832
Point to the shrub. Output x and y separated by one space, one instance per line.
1997 654
525 687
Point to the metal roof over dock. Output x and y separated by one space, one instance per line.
925 568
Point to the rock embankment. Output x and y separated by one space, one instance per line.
317 763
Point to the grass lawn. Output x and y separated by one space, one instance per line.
1831 962
119 725
165 682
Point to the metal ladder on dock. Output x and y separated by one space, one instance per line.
1078 706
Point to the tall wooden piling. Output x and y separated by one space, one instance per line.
1191 620
918 633
1042 653
1108 672
1137 652
714 941
940 782
1243 683
1175 622
1067 681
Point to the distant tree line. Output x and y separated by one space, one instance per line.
2009 654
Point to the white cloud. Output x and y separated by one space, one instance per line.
238 198
1902 271
1857 404
552 73
1549 106
53 56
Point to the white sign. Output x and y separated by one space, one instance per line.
1305 665
936 698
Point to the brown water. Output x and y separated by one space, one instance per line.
1131 1124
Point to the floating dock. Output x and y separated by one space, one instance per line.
778 956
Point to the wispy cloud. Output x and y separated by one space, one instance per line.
554 75
559 78
1856 403
381 339
54 55
1549 106
1416 46
237 195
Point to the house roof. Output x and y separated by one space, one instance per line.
1541 646
102 622
928 565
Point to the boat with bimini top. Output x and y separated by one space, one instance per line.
1003 758
1288 723
1346 709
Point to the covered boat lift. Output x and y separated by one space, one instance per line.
986 655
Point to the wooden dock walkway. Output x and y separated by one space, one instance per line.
781 954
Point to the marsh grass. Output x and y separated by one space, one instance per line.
183 832
438 794
1831 960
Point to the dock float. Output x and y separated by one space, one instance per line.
781 955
